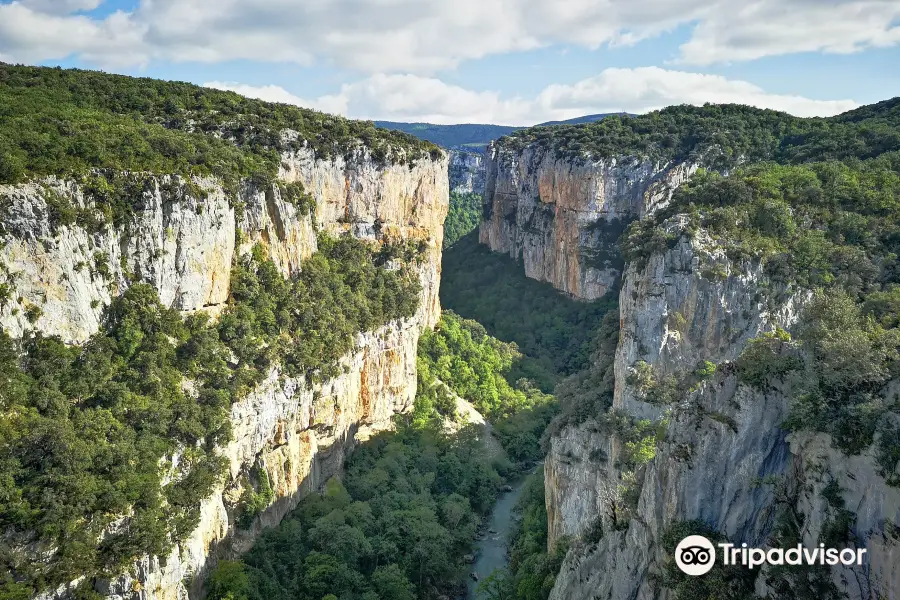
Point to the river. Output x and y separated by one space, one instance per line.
491 552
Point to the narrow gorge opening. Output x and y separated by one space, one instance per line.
451 503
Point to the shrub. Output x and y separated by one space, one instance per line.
256 499
767 357
33 313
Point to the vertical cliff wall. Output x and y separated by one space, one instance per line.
719 453
62 276
466 171
562 216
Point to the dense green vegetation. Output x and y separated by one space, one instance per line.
822 223
396 528
65 122
555 333
850 359
83 430
475 366
722 136
463 217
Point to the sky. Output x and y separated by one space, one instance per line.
507 62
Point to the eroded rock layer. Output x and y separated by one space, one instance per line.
562 217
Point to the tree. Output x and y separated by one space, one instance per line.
391 583
228 581
497 586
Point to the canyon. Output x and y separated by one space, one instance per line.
709 229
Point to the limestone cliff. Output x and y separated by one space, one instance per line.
466 171
182 237
721 455
562 216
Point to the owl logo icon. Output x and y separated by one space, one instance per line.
695 555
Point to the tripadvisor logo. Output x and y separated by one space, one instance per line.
696 555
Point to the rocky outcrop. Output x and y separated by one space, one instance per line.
562 216
721 456
184 245
182 238
466 171
299 435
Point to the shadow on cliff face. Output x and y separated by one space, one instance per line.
553 331
326 463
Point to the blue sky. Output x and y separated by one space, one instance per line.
498 61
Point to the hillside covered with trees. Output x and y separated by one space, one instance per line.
83 429
463 217
722 136
66 122
131 423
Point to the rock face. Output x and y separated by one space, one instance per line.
62 276
184 246
300 438
466 171
721 456
563 216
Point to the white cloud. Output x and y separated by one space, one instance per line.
650 88
274 93
415 98
772 27
426 36
28 35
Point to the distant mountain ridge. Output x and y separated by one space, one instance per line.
584 119
469 135
472 136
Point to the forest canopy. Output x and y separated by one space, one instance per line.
463 216
67 121
721 136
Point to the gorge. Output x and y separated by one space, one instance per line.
226 372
